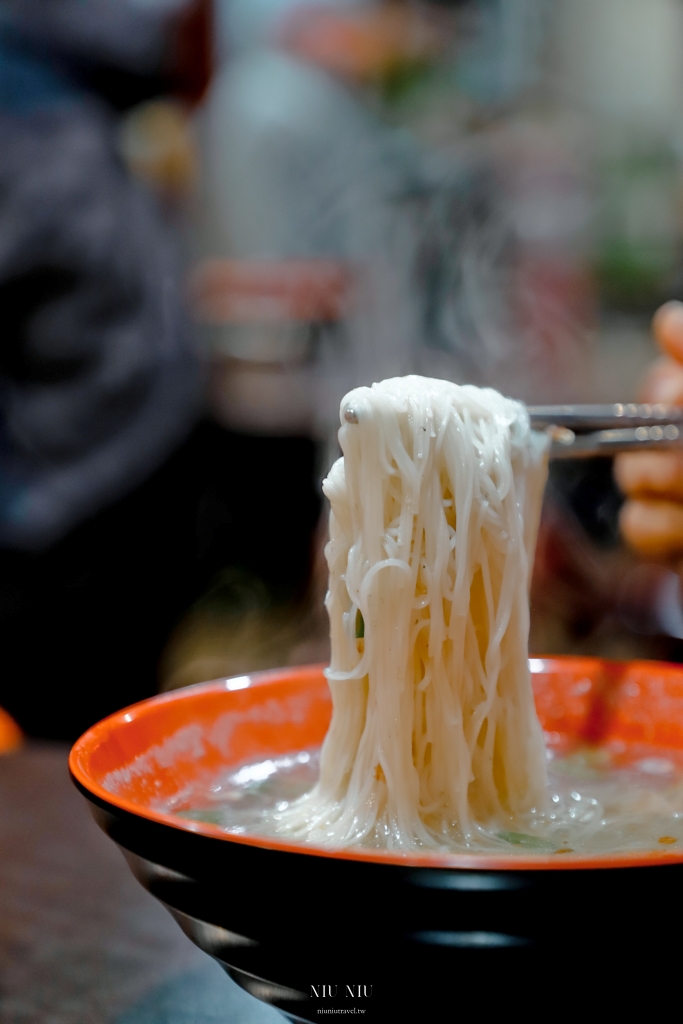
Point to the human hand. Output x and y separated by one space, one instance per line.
652 517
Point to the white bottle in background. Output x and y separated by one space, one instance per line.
298 173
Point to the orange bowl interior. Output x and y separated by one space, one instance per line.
140 757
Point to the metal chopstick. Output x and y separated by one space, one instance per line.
583 419
565 444
587 431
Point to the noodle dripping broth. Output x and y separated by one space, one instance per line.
434 742
434 510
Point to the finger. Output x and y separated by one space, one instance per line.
653 528
663 383
657 474
667 325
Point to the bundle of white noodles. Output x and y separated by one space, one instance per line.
434 513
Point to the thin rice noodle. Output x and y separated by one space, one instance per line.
434 512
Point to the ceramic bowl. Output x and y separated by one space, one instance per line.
311 930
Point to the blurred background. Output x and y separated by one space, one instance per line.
217 217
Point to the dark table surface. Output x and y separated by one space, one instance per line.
80 941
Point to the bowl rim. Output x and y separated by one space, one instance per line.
98 733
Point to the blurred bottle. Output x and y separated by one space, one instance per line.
303 183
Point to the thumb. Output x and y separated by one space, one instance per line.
667 325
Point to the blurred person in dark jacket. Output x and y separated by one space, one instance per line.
100 391
98 381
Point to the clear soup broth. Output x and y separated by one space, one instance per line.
595 805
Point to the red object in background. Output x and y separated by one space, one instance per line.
632 709
11 736
270 291
192 52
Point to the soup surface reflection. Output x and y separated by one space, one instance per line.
595 805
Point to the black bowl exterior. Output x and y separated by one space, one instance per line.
314 934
